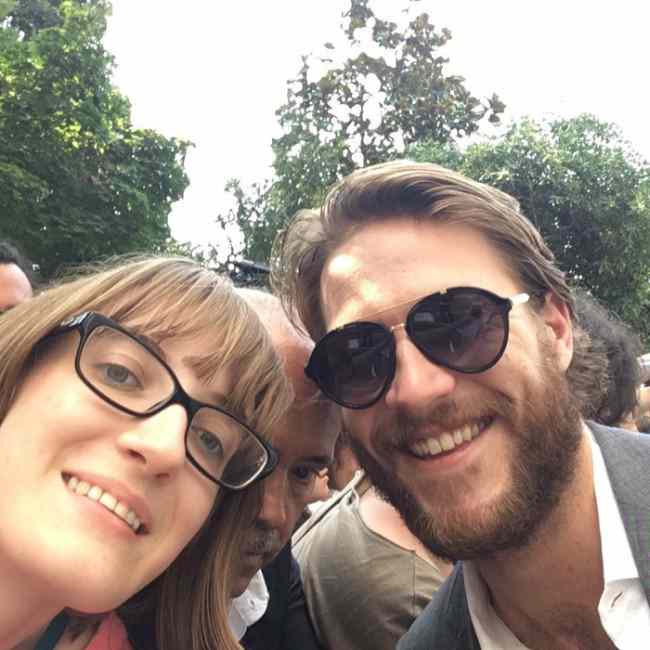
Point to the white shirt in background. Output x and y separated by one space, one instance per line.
247 609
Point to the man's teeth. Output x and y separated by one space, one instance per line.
94 492
445 441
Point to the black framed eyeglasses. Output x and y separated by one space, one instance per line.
463 329
126 373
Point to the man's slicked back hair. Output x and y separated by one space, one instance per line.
427 193
420 191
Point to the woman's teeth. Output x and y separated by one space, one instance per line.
95 493
447 441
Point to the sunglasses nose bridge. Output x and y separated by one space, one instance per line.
417 379
399 326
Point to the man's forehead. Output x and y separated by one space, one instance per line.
390 264
363 293
309 429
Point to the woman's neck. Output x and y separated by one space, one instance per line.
25 608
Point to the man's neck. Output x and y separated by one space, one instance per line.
559 572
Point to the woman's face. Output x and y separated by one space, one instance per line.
59 434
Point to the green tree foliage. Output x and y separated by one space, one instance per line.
586 190
390 92
77 181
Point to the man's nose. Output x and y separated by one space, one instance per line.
157 442
273 512
418 382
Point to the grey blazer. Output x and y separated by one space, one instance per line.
445 624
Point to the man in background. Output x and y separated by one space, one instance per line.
366 577
269 611
15 273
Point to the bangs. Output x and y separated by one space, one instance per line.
205 308
160 298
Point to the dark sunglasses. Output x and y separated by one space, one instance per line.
463 329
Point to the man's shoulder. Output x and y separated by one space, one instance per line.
627 457
620 441
276 572
285 623
445 622
323 520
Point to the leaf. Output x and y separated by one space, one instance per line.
392 90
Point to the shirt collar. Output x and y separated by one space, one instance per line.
247 609
618 561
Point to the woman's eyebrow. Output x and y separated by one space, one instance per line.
197 365
147 341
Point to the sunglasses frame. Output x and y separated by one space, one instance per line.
503 305
86 322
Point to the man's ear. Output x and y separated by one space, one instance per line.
559 327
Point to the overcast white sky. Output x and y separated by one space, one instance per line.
214 72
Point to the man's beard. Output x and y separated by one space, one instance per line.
261 541
546 438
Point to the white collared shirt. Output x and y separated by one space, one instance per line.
623 608
247 609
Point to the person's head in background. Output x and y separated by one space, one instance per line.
15 277
129 403
614 403
345 464
304 439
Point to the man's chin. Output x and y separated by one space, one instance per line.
249 565
240 583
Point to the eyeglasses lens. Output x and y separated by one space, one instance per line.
463 331
127 373
224 448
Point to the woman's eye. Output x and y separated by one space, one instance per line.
120 376
209 441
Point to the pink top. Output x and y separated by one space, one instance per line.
111 635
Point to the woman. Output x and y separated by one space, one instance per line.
127 399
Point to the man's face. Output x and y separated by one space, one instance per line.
14 286
304 439
482 494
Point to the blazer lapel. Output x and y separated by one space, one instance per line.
627 458
445 624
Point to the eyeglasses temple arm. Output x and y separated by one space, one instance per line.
519 299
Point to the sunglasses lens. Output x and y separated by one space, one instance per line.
463 329
353 365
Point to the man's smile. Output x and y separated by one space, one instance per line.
448 440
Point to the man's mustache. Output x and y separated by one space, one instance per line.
263 542
447 414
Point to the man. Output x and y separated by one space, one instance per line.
15 286
616 403
366 577
446 331
304 440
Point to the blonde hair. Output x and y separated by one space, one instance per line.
170 297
